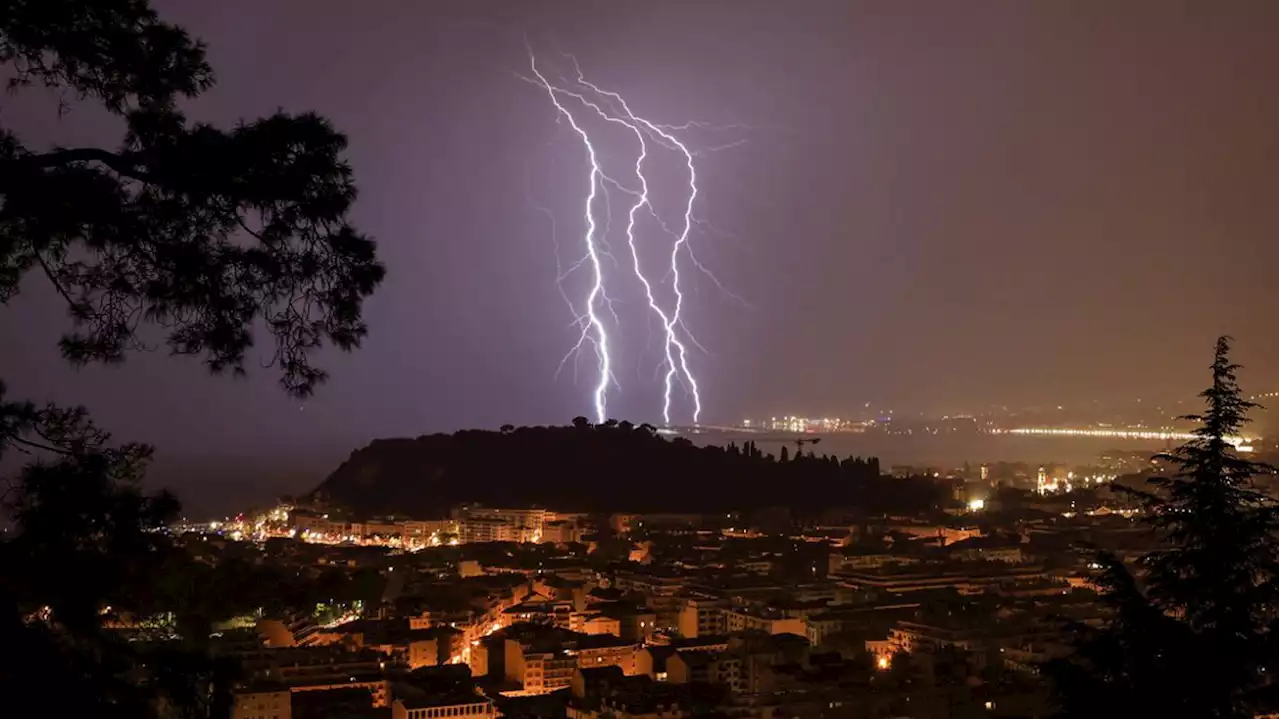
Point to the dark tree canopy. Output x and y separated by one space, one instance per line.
606 467
193 230
1193 629
185 235
86 545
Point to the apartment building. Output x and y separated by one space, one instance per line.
701 616
966 578
741 619
449 706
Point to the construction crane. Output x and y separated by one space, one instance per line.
799 442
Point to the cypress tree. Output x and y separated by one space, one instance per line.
1193 631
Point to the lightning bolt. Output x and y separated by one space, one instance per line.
613 108
672 320
592 328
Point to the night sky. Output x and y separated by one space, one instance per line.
939 206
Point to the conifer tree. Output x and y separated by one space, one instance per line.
1192 630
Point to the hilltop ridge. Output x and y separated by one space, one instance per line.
609 467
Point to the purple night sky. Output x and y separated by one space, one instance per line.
939 206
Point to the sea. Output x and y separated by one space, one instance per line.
943 450
212 487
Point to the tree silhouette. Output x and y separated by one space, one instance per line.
425 476
87 546
191 232
192 229
1193 632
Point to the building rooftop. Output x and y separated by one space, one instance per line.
443 700
599 641
939 569
599 675
707 641
261 686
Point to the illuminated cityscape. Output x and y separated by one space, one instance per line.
731 359
805 424
814 425
523 604
479 610
554 598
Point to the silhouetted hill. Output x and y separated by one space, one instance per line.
610 467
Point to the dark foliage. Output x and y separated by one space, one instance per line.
1193 631
199 594
192 233
190 229
88 546
608 467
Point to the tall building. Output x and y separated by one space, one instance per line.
525 525
701 617
488 529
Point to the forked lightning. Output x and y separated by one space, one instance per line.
584 96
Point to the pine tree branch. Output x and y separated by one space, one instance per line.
48 271
245 227
126 164
38 445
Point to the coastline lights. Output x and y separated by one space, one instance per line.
1237 442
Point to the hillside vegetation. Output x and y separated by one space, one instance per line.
608 467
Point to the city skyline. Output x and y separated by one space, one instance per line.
583 360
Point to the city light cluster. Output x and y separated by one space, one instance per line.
1147 434
1046 484
792 423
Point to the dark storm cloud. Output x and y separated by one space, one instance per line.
940 206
